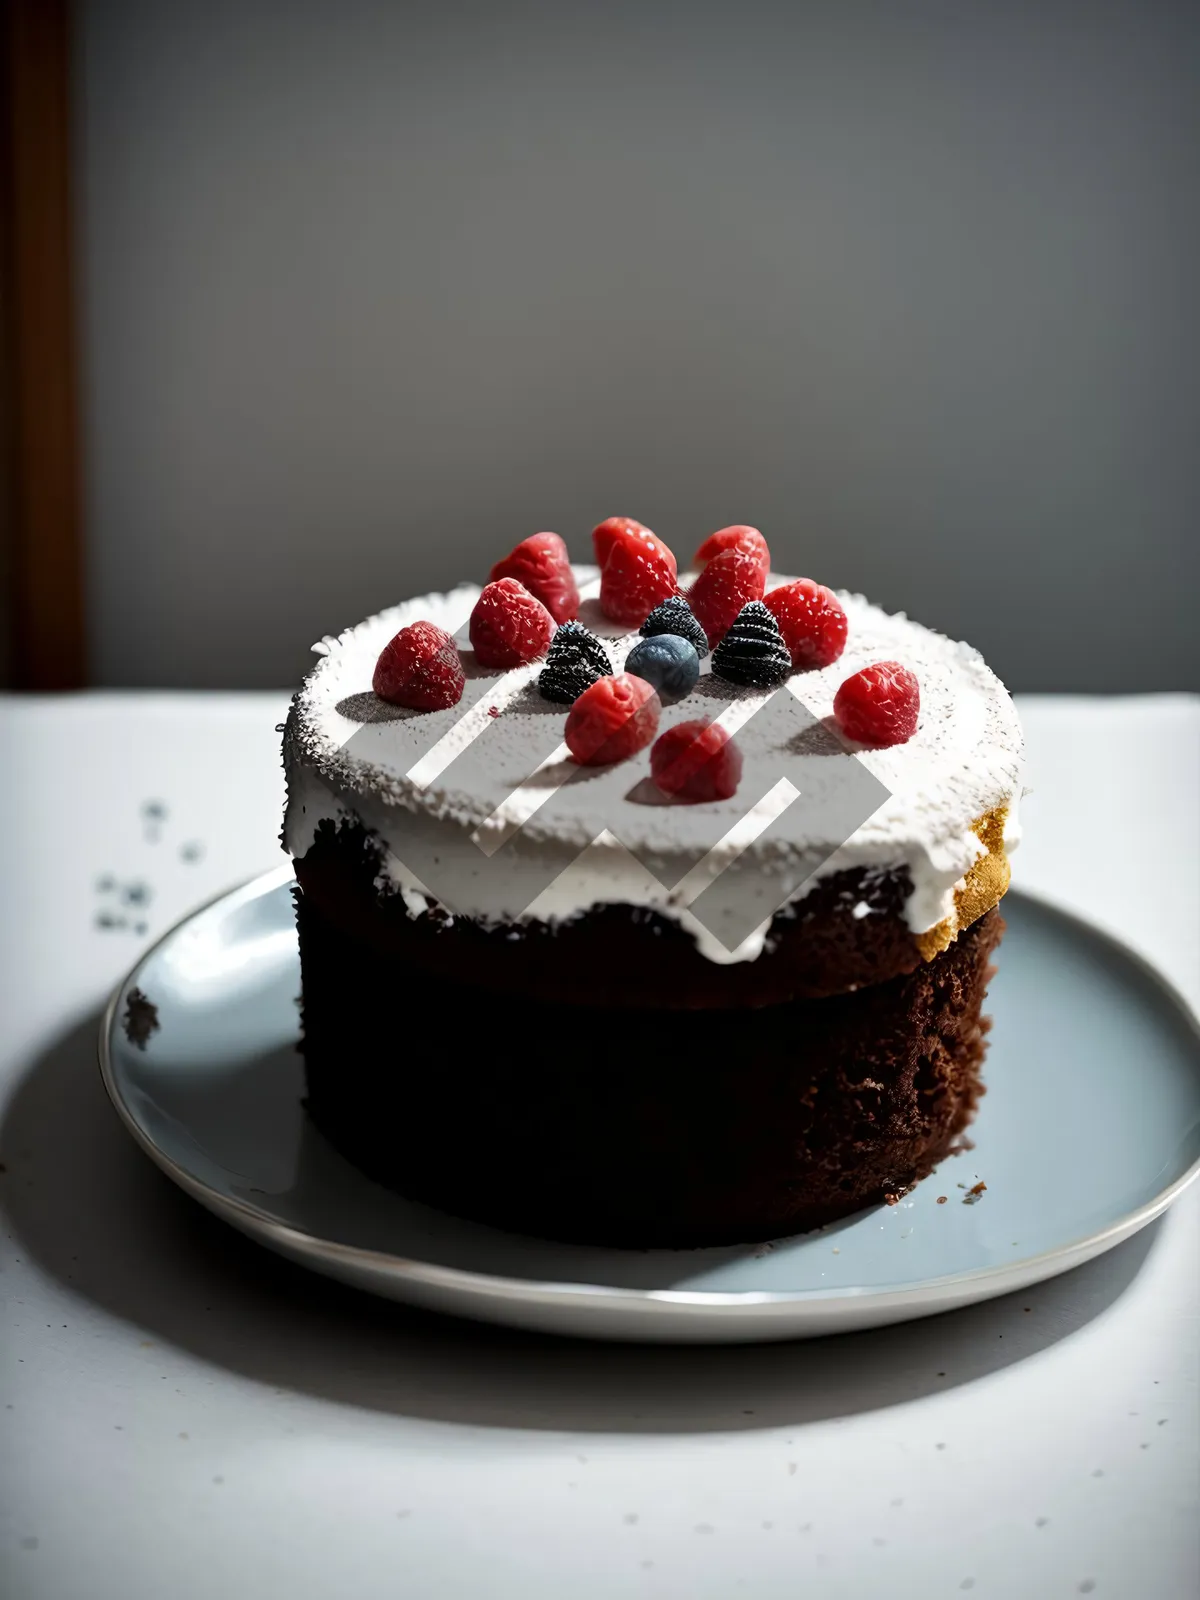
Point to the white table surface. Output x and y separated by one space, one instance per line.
184 1415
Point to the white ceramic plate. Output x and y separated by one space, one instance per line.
1090 1128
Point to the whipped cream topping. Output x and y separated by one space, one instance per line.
479 807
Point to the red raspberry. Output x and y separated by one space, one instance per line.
729 582
696 761
811 620
613 719
508 626
606 534
541 563
879 705
637 576
740 537
420 668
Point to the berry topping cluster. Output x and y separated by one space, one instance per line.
758 638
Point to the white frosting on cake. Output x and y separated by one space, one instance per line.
489 781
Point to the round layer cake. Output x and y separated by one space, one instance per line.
546 996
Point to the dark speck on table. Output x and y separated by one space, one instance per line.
140 1019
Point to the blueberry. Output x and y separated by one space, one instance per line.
666 661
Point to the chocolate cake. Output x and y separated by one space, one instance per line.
584 996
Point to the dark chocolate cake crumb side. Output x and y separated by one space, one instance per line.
632 1126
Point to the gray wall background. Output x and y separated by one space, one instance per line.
373 290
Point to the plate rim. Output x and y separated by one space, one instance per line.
463 1281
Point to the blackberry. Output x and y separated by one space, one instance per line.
753 653
674 615
574 661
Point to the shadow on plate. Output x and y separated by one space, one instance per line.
94 1212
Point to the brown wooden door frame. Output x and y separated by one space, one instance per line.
41 565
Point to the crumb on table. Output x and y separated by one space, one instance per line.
140 1019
